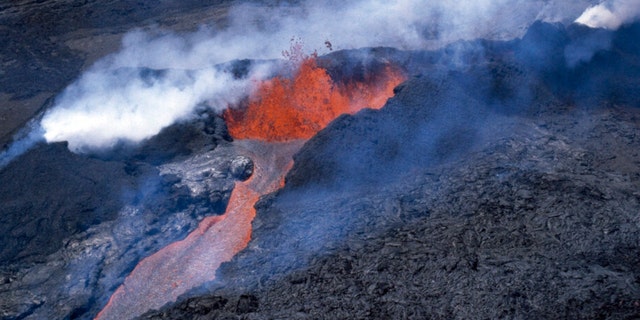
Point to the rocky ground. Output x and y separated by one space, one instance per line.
500 182
74 226
446 204
535 224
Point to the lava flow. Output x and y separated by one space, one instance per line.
284 109
269 129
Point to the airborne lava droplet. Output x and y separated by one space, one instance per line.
270 129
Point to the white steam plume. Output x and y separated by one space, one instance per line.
105 106
610 14
115 101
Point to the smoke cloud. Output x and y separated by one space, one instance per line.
158 78
610 14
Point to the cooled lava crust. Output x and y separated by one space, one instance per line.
498 182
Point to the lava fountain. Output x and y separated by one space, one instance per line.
277 119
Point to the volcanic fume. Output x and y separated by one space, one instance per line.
269 128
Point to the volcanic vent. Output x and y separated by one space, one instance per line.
269 128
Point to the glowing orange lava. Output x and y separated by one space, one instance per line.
283 109
269 130
182 265
162 277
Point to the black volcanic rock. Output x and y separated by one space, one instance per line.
543 45
499 182
539 222
389 141
51 194
501 188
73 226
179 140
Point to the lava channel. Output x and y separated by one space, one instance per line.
279 116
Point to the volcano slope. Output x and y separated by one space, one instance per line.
501 183
74 226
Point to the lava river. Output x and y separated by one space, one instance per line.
278 118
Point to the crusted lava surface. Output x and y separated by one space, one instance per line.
462 198
73 226
500 182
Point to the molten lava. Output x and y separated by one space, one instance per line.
279 114
182 265
283 109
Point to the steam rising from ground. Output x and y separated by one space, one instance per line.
610 14
119 100
105 106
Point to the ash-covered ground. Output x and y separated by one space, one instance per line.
500 182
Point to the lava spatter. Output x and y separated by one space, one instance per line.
280 115
283 109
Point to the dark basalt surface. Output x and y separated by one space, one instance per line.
533 225
502 187
43 203
500 181
73 226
